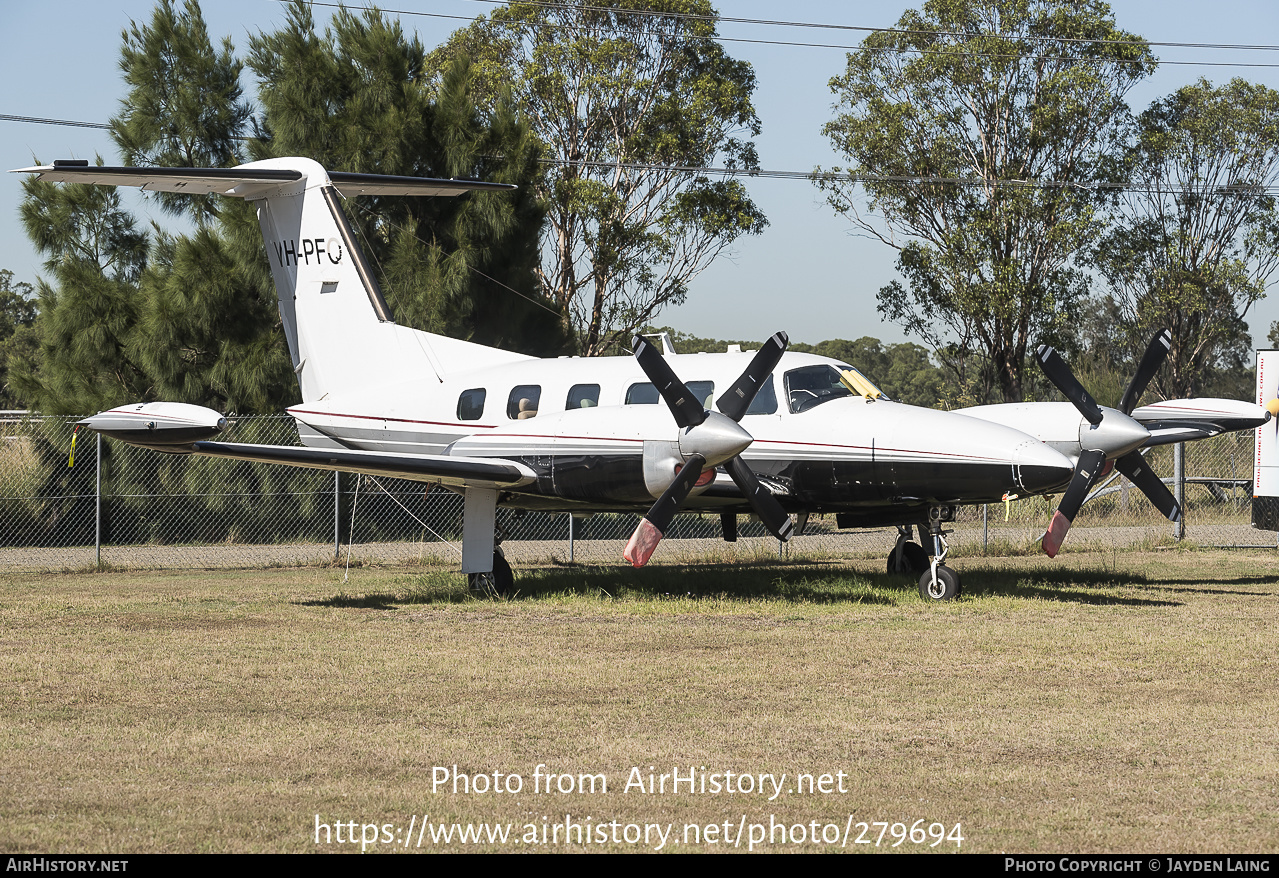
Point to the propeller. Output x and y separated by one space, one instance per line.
1111 435
708 439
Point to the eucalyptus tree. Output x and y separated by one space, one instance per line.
633 100
978 132
1195 240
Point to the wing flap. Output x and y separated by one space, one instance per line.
459 472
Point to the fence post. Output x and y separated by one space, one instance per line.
97 502
341 511
570 538
985 530
1179 489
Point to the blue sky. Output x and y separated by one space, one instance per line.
806 274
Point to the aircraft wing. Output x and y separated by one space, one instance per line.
189 429
1185 420
440 469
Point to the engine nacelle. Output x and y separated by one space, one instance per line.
164 426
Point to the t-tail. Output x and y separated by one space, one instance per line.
341 334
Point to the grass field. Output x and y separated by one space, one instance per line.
1106 701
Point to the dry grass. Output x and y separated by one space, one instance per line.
1104 702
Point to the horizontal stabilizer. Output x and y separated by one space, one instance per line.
247 180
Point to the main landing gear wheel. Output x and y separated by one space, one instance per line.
911 561
944 585
498 583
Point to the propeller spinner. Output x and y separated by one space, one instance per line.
708 439
1111 435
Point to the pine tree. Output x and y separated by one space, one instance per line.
17 333
95 255
184 108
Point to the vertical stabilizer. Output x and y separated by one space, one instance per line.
341 334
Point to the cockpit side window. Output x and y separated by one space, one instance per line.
810 386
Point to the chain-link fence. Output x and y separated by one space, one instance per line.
130 507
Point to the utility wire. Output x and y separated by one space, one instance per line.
714 19
962 53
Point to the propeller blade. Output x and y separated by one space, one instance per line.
1086 472
654 524
1134 466
1151 360
1061 376
770 512
738 398
686 408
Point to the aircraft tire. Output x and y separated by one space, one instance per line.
914 560
946 589
503 578
500 582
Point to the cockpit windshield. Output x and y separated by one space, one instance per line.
810 386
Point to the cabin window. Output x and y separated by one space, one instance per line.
765 402
470 405
582 396
642 394
811 386
523 401
646 393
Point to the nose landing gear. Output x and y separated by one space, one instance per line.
939 582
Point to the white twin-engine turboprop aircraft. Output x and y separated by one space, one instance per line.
586 436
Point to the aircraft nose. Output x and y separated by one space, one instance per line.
1040 468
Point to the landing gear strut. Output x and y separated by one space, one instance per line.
907 557
939 582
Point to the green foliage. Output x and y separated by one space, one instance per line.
209 333
621 100
1196 237
970 94
905 372
17 335
95 254
184 107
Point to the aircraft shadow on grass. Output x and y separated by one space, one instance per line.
800 584
1074 586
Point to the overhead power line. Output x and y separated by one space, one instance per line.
38 121
890 30
960 53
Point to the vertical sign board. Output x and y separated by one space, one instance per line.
1265 475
